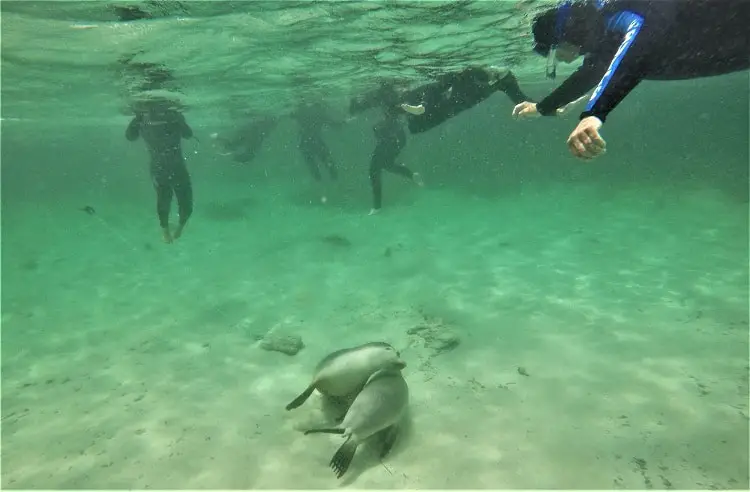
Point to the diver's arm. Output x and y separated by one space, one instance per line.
624 71
579 83
509 85
134 128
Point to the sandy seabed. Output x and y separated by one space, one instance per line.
603 341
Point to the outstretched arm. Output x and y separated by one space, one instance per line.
509 85
579 83
568 93
624 71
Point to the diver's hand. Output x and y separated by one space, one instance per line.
585 141
415 110
525 110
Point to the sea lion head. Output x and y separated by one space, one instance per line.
387 357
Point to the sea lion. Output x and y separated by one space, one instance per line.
345 371
377 409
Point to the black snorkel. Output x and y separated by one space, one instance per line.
561 19
550 70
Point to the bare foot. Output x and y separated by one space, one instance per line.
417 178
178 231
374 211
166 235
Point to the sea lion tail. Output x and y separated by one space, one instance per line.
301 398
343 457
330 430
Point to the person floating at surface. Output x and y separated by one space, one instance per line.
626 41
311 118
429 105
162 128
453 93
390 140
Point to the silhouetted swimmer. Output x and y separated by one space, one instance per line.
162 128
311 119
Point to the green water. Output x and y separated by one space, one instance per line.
601 307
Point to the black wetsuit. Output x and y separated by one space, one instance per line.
450 95
390 140
454 93
311 120
655 40
390 137
162 131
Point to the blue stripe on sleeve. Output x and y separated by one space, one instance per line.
632 24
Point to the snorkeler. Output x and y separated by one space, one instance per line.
311 118
162 128
453 93
626 41
390 140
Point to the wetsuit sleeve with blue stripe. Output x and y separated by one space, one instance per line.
626 68
576 85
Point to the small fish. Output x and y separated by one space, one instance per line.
88 209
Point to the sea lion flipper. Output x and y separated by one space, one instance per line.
387 438
326 430
301 398
343 457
